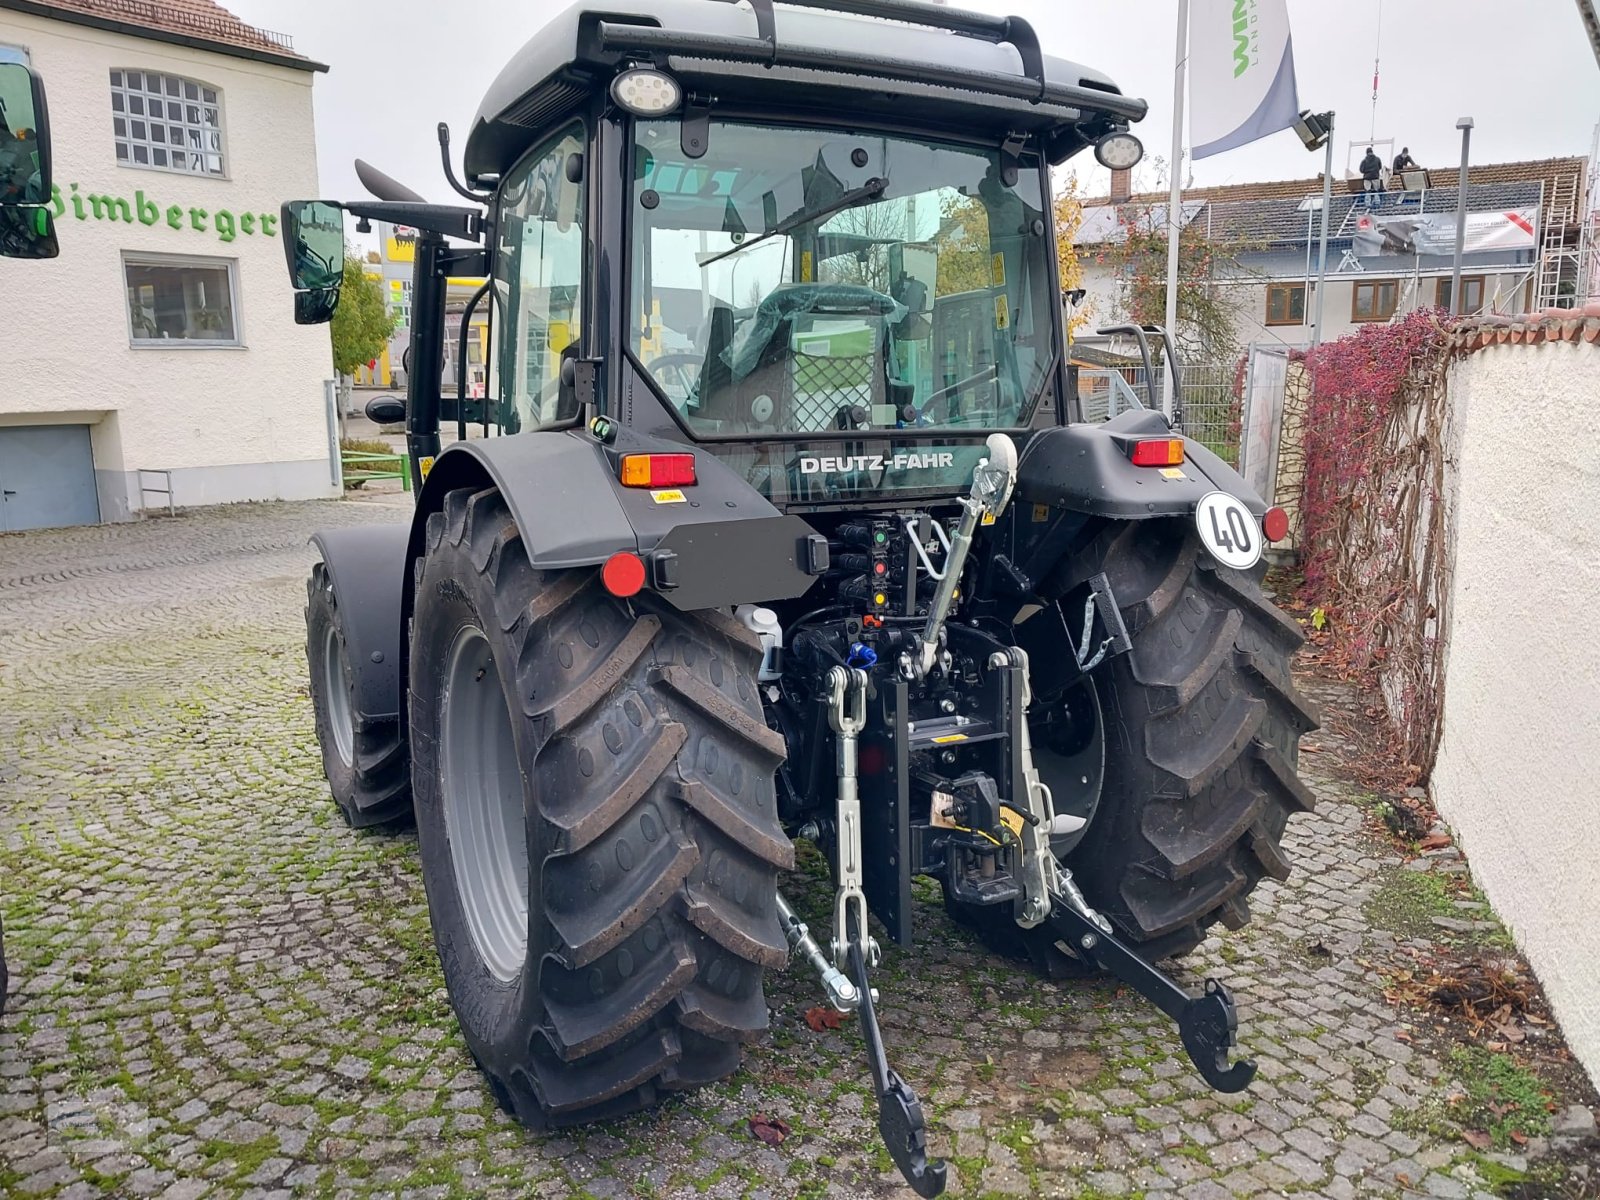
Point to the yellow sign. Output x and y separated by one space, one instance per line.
999 270
1041 512
1011 819
805 266
671 496
988 518
1002 313
401 244
424 465
946 739
1172 473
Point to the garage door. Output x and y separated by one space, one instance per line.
46 477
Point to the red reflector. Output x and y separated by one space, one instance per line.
623 574
1275 524
1157 452
657 470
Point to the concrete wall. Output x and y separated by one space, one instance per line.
1516 770
242 422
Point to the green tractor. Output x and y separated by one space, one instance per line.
782 524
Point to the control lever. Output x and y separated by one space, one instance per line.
992 483
900 1120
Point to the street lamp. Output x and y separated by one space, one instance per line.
1316 131
1465 125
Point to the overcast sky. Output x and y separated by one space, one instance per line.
1524 71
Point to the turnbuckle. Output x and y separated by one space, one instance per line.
847 715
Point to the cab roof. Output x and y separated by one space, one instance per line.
968 72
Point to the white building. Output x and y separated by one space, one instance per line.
163 336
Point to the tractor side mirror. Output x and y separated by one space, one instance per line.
313 243
27 232
315 307
385 410
24 137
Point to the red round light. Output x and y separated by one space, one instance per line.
623 574
1275 524
880 568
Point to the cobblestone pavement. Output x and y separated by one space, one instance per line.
218 989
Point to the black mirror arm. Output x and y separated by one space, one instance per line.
447 220
461 360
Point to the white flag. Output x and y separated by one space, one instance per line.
1241 73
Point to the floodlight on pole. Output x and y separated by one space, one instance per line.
1465 125
1318 133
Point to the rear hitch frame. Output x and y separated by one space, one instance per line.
1207 1023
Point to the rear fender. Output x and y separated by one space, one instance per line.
1083 469
714 544
367 566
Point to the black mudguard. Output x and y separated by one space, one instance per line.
717 543
1084 469
368 567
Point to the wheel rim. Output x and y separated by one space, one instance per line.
338 693
483 806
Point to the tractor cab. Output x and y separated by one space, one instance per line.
727 226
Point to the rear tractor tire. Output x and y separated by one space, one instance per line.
364 758
1201 726
597 821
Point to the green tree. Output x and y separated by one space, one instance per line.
362 324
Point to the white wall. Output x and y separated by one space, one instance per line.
241 423
1516 770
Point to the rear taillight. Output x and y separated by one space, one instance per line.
1156 452
1275 524
657 470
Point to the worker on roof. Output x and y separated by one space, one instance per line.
1403 161
1372 178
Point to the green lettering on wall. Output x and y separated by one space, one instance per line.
225 223
108 207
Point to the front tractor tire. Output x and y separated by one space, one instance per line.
597 821
364 758
1201 727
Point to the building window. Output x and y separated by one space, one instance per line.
1375 301
166 122
13 54
1471 294
181 302
1286 304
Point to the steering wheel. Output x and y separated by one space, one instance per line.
677 367
991 372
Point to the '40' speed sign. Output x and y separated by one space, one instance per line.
1228 530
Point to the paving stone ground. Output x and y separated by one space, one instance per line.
219 990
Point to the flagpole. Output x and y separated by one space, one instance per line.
1175 200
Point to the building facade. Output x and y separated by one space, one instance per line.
1524 223
163 337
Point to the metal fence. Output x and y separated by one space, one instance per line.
1210 412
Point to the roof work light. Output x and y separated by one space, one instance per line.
645 92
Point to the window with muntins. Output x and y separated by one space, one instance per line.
1375 301
176 301
166 122
1286 304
